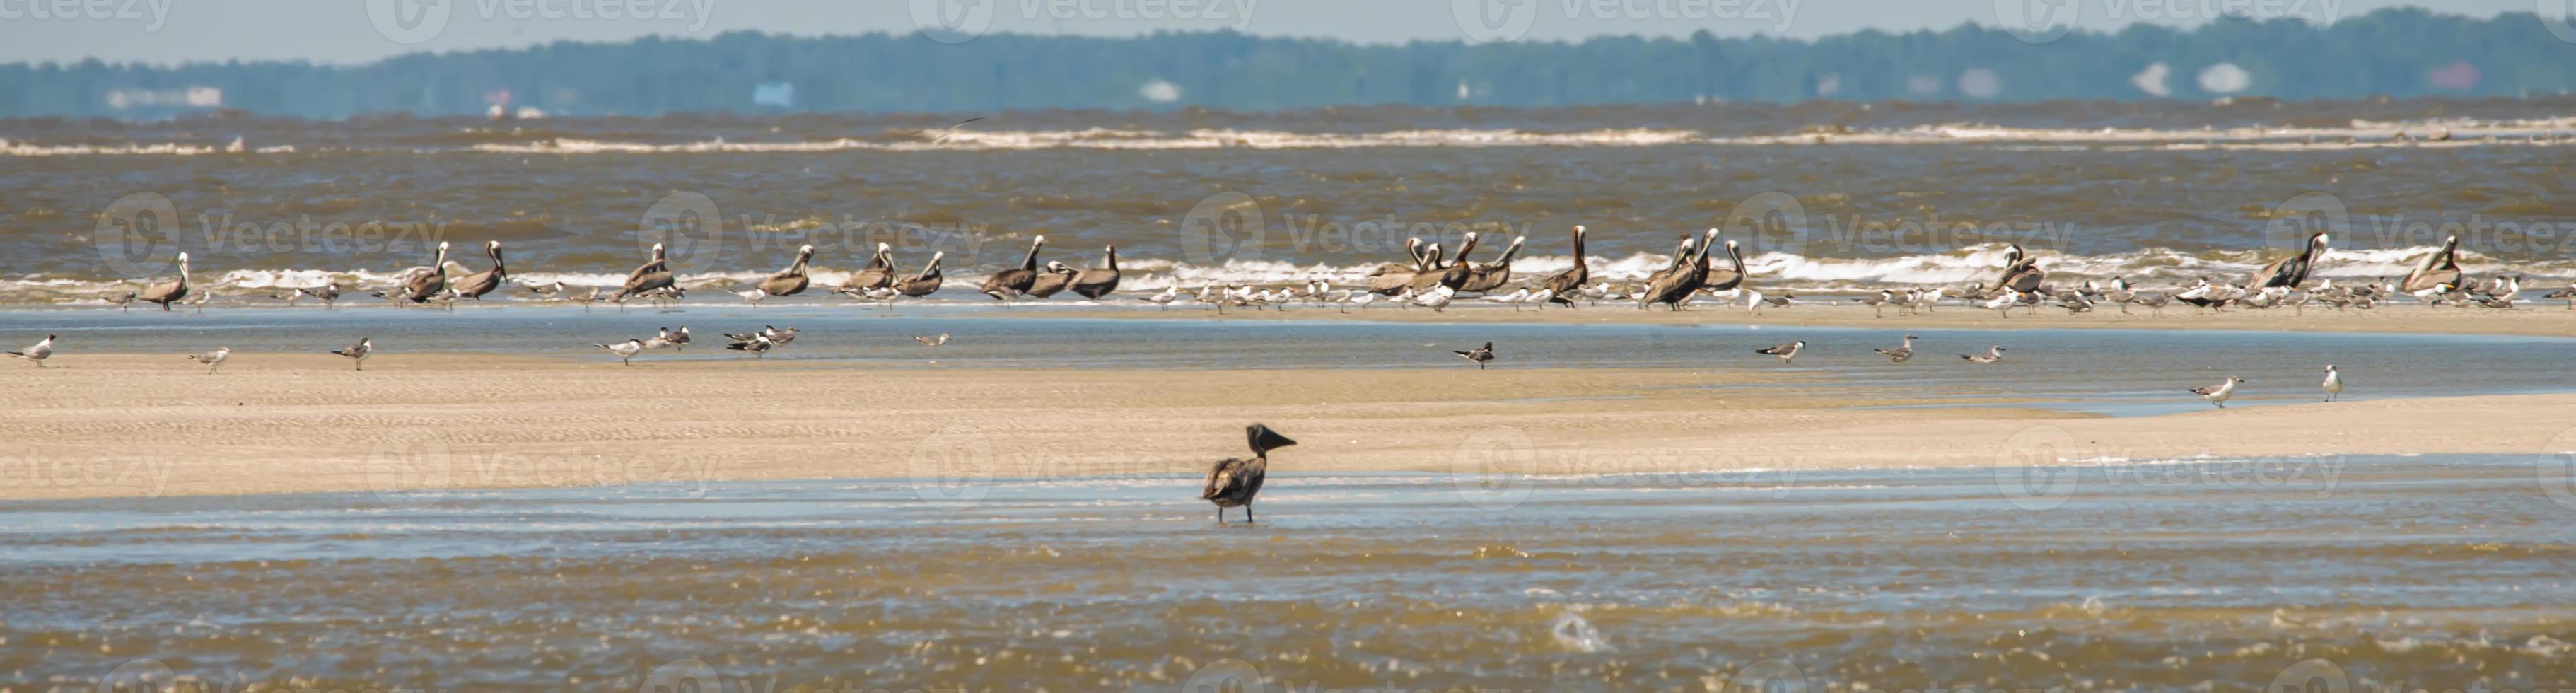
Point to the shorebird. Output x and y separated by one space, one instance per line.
168 292
1675 282
625 350
1052 281
38 352
2293 270
753 296
1788 353
2219 393
1562 285
474 286
1902 353
678 341
877 275
792 280
1437 300
328 293
1489 276
424 285
653 275
759 345
1878 304
2568 293
358 352
1096 282
213 359
1234 481
1993 354
924 283
941 340
1011 283
2021 272
1165 299
2333 384
1389 278
1480 355
2441 267
125 301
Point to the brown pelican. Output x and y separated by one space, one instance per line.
424 285
1390 278
877 275
1011 283
1052 281
213 359
1902 353
1431 270
653 275
2293 270
625 350
1788 353
474 286
1456 274
171 291
790 281
1713 279
358 352
1236 480
2219 393
38 353
1099 281
924 283
2021 272
1689 271
1481 355
2441 267
1489 276
1561 287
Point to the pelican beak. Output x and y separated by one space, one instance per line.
1265 440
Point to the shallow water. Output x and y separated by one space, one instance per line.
2225 574
2120 372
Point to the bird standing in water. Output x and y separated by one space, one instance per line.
1236 480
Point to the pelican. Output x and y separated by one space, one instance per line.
1052 281
653 275
1563 284
1722 279
2333 384
1993 354
2219 393
2441 267
1493 275
926 282
1011 283
1096 282
877 275
1392 277
1234 481
474 286
37 353
2021 272
2293 270
171 291
1788 353
1456 274
213 359
1902 353
625 350
792 280
941 340
1431 270
1674 284
420 287
358 352
1480 355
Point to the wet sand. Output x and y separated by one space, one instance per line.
2540 318
158 425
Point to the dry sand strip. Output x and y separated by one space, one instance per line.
156 425
2546 318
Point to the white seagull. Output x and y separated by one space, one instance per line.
2333 384
38 353
213 359
2218 394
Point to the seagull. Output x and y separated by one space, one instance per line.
1437 299
2219 393
2333 384
1993 354
1235 480
753 296
625 350
37 353
213 359
1164 299
941 340
1788 353
1481 355
358 352
1902 352
126 300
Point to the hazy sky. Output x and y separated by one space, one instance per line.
347 31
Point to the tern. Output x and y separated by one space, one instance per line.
2333 384
1902 353
37 353
2219 393
358 352
1788 353
213 359
625 350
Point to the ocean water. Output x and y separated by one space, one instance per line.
2375 573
